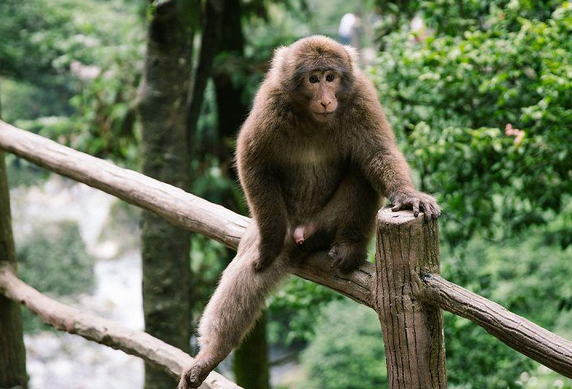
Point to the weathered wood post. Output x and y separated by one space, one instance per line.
12 351
408 248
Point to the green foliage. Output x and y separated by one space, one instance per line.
513 273
54 261
73 68
347 352
452 97
23 173
209 259
452 17
295 310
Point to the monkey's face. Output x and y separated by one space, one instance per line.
322 88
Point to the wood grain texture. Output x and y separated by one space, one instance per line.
175 205
522 335
412 329
64 318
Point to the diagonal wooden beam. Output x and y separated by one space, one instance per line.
64 318
515 331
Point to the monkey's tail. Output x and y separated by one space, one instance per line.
238 299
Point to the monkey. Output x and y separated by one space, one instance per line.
315 157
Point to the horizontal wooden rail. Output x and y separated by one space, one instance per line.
64 318
175 205
522 335
196 214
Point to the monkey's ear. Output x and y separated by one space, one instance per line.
279 59
354 57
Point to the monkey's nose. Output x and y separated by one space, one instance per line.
325 104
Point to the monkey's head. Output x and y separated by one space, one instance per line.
317 74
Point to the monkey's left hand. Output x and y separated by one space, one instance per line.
416 201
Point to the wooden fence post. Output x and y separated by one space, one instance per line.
407 248
12 351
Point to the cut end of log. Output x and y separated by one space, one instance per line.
386 215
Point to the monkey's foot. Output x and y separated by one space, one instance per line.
194 376
347 256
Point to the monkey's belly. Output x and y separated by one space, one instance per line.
307 190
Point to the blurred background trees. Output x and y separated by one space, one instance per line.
479 94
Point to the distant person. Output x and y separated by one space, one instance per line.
345 31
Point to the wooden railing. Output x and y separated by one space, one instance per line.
404 286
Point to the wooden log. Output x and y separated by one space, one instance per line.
408 247
522 335
175 205
64 318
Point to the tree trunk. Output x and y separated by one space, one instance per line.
230 107
408 248
210 39
250 361
12 351
162 108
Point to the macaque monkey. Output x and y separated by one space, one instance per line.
315 157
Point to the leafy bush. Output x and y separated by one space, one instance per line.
295 309
457 101
513 273
55 262
347 352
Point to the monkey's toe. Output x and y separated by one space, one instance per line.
261 264
194 376
347 256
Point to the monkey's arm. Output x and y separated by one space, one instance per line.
388 172
263 193
376 152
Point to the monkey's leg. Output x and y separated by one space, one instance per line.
233 308
345 225
355 217
350 216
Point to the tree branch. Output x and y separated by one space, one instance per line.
154 351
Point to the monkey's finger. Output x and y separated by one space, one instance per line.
193 379
415 204
436 211
427 209
430 209
397 207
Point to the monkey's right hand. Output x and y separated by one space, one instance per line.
416 201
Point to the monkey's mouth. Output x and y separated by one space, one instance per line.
324 114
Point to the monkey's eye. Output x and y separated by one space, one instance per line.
313 79
330 77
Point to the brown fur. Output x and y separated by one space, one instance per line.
315 156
